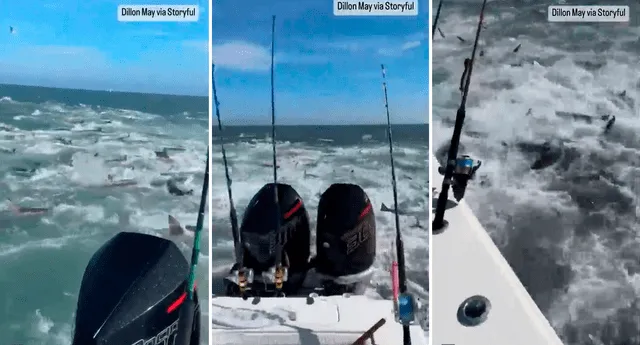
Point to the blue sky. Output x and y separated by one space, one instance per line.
81 44
327 67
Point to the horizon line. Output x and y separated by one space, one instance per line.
215 126
103 90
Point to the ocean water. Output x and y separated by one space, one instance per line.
58 147
570 231
311 158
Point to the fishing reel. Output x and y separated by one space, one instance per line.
277 276
406 309
464 169
245 279
242 279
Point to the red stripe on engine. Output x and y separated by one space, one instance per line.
365 211
293 210
179 301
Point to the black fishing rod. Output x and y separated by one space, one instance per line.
402 276
435 20
438 220
187 310
232 212
242 277
279 273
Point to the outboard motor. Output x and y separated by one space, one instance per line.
259 236
345 239
131 293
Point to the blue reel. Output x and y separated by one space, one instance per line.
464 162
406 309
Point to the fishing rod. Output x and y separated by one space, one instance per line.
439 223
435 20
232 212
404 300
279 273
243 276
187 310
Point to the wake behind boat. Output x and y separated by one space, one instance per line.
277 293
480 300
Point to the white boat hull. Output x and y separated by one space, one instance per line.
335 320
464 263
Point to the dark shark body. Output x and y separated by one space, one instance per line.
546 154
173 189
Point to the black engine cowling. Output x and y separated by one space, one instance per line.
346 233
259 232
131 292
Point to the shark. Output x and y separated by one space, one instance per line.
26 211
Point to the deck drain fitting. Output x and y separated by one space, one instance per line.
474 311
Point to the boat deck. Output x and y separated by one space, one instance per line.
466 263
334 320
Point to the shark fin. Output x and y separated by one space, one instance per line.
175 229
